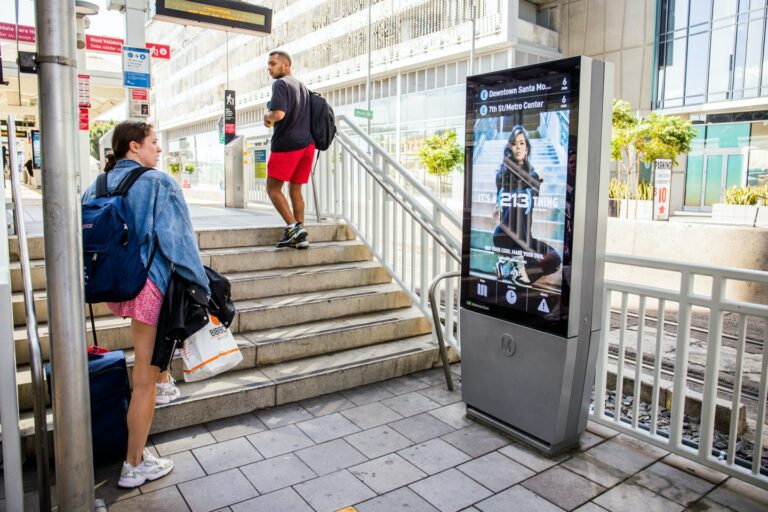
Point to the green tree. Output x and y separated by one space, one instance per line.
98 129
638 139
441 155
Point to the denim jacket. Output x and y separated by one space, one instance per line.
159 209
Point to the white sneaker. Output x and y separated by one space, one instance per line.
166 392
150 468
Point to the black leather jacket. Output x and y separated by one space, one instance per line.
185 311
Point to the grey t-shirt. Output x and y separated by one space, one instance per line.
292 133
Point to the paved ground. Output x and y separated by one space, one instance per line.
405 444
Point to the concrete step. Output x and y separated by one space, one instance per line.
252 285
274 346
244 391
246 259
240 392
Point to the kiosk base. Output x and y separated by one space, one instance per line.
547 449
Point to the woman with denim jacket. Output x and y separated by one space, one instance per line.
161 217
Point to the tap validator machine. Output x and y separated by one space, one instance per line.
535 209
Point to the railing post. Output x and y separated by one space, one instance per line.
712 371
681 360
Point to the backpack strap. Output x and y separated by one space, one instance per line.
129 180
101 185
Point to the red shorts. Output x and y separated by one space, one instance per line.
293 166
145 307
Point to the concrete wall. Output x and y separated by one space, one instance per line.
708 244
617 31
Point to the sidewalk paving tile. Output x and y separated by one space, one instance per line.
185 467
226 455
279 441
630 498
403 500
326 428
476 440
433 456
441 395
410 404
529 457
331 456
517 498
611 462
564 488
676 485
433 376
707 505
694 468
740 496
182 440
587 440
387 473
450 491
367 394
272 474
601 430
421 427
327 404
334 491
285 500
454 415
371 415
590 507
236 426
377 441
495 471
216 491
283 415
167 500
403 385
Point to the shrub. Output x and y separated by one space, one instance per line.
747 195
617 189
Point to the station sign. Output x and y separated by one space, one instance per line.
106 44
136 68
12 32
84 121
230 116
365 114
84 90
138 102
662 172
160 51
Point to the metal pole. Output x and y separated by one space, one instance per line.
368 81
9 405
472 48
63 253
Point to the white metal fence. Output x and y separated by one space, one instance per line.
695 290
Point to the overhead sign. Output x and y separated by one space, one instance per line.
662 181
365 114
136 67
26 34
103 44
138 102
227 15
160 51
230 116
84 90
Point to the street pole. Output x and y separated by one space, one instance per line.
472 48
368 82
63 253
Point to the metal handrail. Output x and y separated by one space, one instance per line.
438 323
33 340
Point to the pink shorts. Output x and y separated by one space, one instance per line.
293 166
145 307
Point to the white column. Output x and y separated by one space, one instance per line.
83 175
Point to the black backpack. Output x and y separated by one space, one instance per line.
322 121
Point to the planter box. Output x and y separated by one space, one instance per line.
625 209
738 214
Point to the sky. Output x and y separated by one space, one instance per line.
105 23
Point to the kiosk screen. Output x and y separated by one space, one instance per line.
518 204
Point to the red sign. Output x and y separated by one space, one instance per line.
139 94
103 44
26 33
84 119
84 90
160 51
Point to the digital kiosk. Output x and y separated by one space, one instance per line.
535 211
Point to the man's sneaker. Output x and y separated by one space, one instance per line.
150 468
518 273
294 236
166 392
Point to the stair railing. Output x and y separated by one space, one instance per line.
410 231
33 338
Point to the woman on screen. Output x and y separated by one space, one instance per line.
523 259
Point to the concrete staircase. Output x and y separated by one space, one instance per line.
308 323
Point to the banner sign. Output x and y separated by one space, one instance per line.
84 90
136 67
662 172
230 116
103 44
160 51
26 33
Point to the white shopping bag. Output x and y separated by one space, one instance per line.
210 351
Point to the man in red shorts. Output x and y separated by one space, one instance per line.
292 147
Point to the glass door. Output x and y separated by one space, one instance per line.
710 174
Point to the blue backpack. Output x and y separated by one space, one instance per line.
112 262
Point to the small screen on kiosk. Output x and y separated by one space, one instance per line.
518 205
